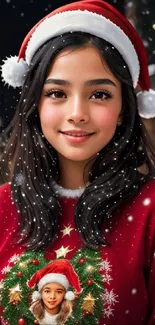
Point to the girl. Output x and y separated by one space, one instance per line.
73 183
52 304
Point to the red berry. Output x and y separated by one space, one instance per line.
14 303
81 261
19 273
35 262
21 321
89 282
87 313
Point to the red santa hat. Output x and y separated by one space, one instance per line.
59 271
95 17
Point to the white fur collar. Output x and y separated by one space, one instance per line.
49 319
64 192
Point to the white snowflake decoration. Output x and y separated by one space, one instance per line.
14 258
6 269
106 278
109 297
108 312
105 266
1 284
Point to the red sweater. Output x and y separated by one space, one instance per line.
128 264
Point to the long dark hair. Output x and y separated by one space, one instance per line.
32 163
38 310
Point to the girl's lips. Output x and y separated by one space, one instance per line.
52 302
76 138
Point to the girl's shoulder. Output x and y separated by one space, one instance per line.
147 190
144 198
6 200
5 189
5 194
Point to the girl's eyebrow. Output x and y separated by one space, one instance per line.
50 288
88 83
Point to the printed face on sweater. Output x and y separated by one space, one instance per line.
52 295
80 104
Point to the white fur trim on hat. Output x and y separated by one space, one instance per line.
14 72
36 296
89 22
146 103
69 295
53 277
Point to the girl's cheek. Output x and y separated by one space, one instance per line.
107 118
49 116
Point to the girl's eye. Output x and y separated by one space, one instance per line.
55 94
102 95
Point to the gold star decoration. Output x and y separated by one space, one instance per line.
67 230
90 268
62 252
24 264
88 303
15 293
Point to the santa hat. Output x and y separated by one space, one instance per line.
95 17
59 271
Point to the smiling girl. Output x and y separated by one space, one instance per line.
52 302
73 186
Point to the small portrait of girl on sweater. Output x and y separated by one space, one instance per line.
52 303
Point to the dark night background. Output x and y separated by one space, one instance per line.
18 16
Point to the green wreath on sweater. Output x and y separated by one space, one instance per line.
16 297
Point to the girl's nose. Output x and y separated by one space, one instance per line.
79 112
52 295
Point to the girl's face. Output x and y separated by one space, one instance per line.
52 295
80 104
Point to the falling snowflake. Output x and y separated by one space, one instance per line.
6 269
19 179
105 266
108 312
14 258
134 291
146 202
130 218
109 297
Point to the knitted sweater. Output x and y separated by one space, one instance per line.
127 266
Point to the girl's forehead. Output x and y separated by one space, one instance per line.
53 285
87 58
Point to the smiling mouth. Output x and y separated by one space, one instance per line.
52 302
76 134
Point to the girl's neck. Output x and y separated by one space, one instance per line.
73 175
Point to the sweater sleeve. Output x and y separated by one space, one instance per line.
7 214
150 264
8 218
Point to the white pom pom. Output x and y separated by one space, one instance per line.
36 296
146 103
14 72
69 295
